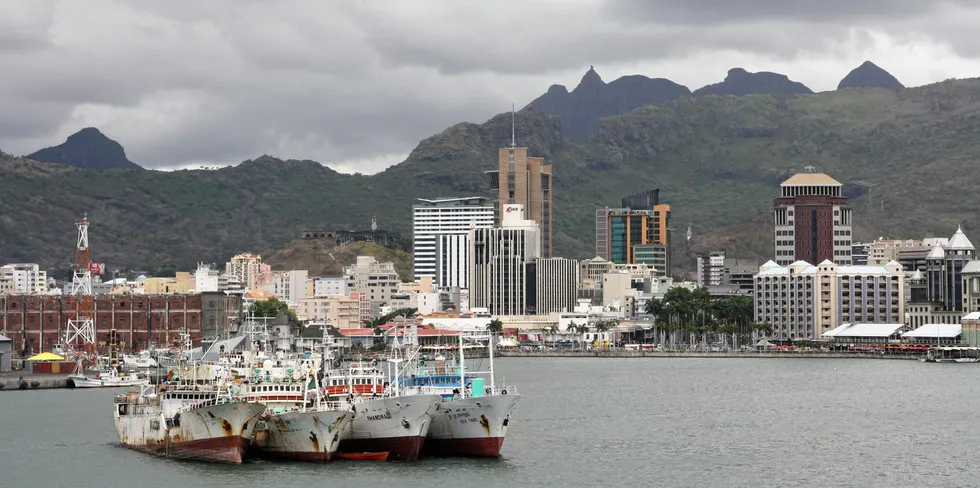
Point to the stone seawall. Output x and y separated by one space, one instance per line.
17 382
689 354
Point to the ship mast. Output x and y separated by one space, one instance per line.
80 329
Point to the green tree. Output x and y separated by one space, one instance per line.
271 308
495 326
384 319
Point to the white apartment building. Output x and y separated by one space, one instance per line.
246 267
289 286
24 278
711 269
206 278
498 275
440 237
803 301
374 282
329 286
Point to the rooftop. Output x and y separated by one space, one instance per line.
772 269
864 330
453 202
810 179
959 242
935 330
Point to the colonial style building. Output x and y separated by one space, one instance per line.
803 301
937 282
37 323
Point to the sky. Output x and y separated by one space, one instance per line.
356 84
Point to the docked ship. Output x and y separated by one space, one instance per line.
107 378
297 423
110 375
473 416
381 421
204 422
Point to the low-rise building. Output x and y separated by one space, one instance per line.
24 278
803 301
373 281
341 311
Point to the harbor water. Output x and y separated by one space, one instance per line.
697 422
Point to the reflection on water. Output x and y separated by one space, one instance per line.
594 422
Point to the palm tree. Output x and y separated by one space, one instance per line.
495 326
553 331
601 327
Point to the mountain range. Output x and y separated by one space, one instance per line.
905 156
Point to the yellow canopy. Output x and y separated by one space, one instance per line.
46 356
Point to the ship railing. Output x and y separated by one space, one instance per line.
435 370
501 390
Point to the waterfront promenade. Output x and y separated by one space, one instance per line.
620 353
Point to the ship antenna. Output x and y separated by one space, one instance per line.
513 139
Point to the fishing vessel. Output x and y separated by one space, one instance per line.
204 422
110 375
381 421
297 423
473 416
106 378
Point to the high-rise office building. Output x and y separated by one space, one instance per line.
812 220
440 237
526 181
636 233
498 259
556 285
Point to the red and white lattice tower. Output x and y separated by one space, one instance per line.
80 330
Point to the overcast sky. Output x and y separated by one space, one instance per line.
356 84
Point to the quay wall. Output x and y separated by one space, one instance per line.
692 354
32 382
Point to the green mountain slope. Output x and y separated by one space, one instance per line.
906 157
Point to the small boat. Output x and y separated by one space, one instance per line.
107 378
362 456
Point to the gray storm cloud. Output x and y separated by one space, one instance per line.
341 82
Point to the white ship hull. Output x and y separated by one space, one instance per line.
396 425
116 382
470 426
308 436
218 432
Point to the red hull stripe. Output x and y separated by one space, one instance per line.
229 449
472 447
405 448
